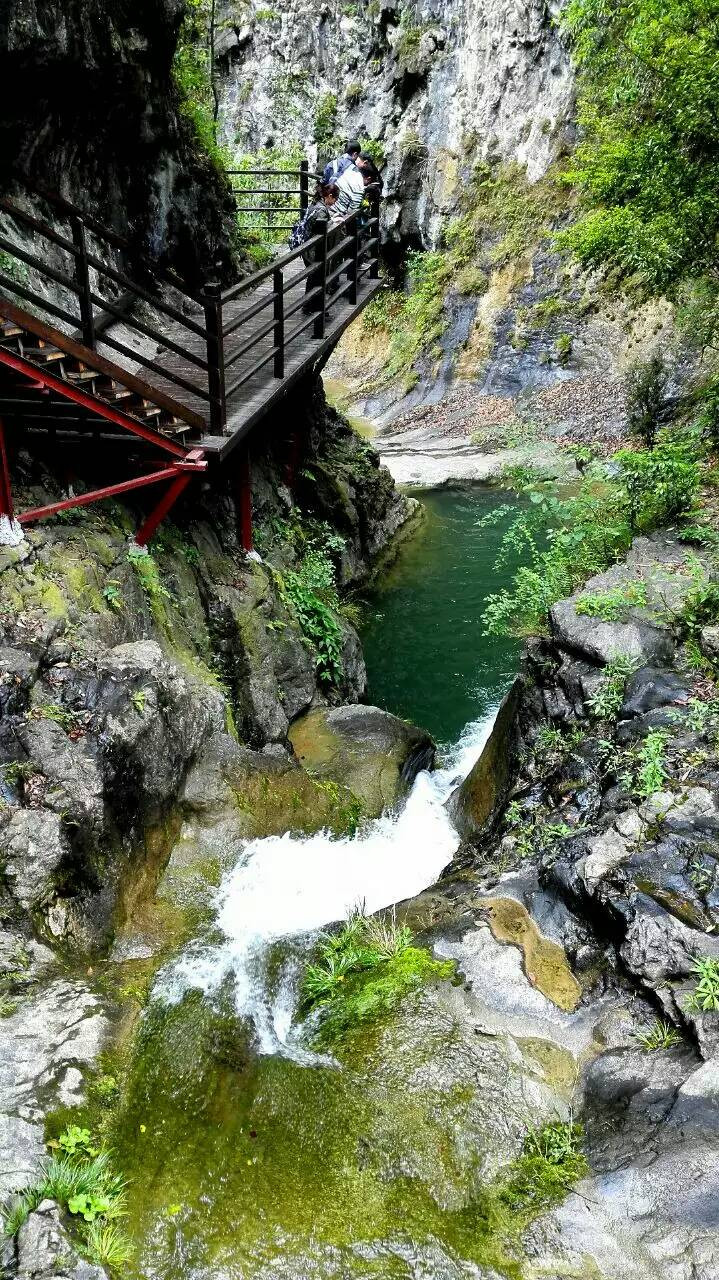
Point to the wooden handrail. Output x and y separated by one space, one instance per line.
349 247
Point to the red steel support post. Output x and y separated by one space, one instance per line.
5 489
245 501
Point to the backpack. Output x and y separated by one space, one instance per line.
300 232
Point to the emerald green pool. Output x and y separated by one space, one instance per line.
427 659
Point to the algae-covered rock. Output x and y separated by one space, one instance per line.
375 754
475 805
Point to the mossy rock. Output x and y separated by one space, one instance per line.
476 804
375 754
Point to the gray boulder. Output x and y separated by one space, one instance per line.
476 803
32 849
44 1251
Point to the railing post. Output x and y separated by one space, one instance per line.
354 262
304 185
215 357
82 276
319 329
374 269
278 289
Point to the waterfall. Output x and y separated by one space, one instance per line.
285 888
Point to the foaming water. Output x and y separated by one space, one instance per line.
285 888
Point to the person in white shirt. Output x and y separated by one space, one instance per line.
351 186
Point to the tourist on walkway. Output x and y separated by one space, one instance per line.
352 187
317 217
336 167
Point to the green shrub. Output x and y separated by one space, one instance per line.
645 389
648 162
362 972
567 540
604 704
660 484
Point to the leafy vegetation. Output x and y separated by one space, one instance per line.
705 997
82 1182
608 698
648 165
614 605
260 231
362 972
552 1160
567 539
651 764
310 588
194 74
645 390
311 593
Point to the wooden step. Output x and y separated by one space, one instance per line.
82 375
10 330
43 354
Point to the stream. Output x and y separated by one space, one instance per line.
240 1141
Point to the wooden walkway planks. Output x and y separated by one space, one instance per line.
263 390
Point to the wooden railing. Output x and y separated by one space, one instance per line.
270 206
349 249
90 293
94 293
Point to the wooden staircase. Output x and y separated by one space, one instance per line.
63 366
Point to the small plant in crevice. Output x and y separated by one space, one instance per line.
605 702
661 1035
705 996
84 1185
651 772
145 567
552 1160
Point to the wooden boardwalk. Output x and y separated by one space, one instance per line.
247 406
101 359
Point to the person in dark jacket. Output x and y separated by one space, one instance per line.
316 217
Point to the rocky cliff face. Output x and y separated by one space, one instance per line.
116 670
438 83
93 114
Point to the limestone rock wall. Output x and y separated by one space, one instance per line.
438 83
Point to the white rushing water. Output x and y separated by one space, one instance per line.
288 887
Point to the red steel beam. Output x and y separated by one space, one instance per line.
41 378
158 513
111 491
245 501
5 488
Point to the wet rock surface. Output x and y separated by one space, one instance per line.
372 752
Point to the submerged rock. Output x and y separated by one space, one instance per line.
375 754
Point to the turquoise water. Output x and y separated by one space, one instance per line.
427 659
